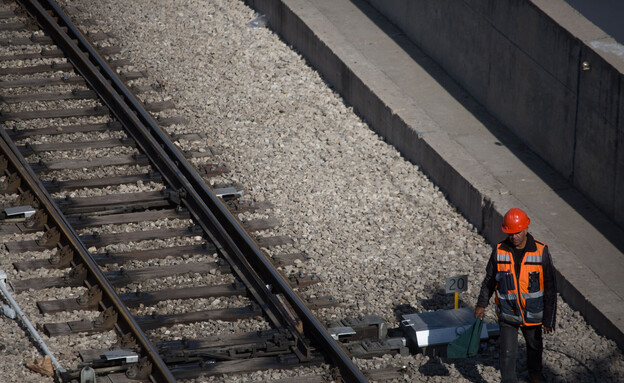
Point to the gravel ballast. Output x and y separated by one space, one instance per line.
381 237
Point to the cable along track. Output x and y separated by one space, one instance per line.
293 325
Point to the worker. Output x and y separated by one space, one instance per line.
520 271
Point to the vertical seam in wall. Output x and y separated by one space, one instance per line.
618 134
576 110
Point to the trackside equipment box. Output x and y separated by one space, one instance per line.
438 328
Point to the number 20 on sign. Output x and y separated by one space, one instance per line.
455 285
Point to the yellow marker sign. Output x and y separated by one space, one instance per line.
455 285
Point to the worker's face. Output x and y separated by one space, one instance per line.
518 240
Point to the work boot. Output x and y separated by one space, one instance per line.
537 378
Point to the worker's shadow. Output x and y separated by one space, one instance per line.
467 367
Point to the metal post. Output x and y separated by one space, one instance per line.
31 329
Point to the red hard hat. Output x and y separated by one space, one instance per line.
515 221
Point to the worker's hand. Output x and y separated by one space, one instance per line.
479 311
548 330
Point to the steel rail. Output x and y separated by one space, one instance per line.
226 232
125 320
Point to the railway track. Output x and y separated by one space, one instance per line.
114 219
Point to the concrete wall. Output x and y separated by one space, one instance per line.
523 61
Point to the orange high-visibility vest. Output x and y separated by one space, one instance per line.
520 298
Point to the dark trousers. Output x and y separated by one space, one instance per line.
508 344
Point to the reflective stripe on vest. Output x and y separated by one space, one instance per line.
519 298
533 259
537 294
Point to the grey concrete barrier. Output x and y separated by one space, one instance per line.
541 69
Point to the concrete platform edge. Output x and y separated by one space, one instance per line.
476 196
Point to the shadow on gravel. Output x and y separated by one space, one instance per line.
591 371
468 368
434 367
438 299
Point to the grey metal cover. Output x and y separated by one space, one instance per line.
438 327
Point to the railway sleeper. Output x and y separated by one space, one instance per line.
82 217
377 375
89 300
211 368
82 221
54 67
30 149
272 241
75 277
17 26
212 170
7 14
127 202
107 319
236 206
89 163
74 94
56 186
42 39
112 125
62 257
269 345
37 222
54 53
50 238
62 80
99 110
109 257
